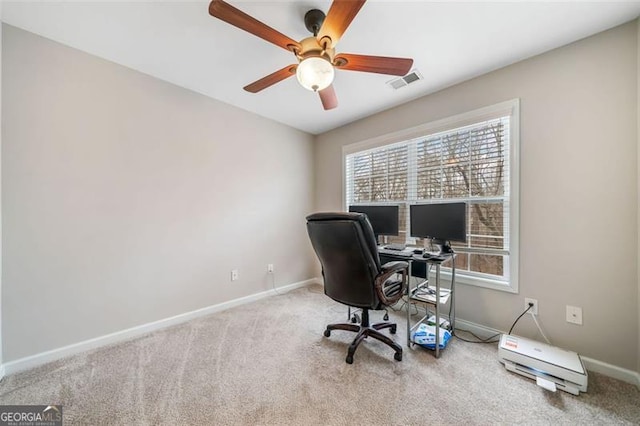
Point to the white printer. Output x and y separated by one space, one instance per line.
549 366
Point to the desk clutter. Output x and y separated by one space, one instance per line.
427 294
412 251
425 336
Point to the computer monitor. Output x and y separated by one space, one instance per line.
384 219
441 222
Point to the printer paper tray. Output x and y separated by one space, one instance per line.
532 373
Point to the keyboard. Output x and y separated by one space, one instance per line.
396 247
395 253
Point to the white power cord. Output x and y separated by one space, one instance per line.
539 328
273 283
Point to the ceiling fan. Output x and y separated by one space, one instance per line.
317 59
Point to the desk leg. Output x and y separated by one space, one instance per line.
409 307
452 320
437 310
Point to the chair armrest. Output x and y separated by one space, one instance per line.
388 270
395 266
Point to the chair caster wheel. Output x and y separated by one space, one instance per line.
386 317
327 333
349 359
392 329
355 319
397 356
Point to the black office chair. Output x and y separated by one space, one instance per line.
346 247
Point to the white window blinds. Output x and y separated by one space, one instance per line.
469 164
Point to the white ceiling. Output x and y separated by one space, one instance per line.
178 41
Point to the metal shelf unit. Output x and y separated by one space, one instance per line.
425 294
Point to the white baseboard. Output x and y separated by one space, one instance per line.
1 372
130 333
619 373
609 370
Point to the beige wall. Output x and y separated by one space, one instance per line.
1 357
638 136
128 200
578 195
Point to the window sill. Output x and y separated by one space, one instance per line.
462 278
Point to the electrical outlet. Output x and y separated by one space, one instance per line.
234 274
270 268
574 315
534 309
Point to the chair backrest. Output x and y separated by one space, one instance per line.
347 250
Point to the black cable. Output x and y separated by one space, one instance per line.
489 339
480 339
404 302
517 319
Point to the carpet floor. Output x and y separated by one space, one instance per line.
268 363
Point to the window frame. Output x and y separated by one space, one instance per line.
509 108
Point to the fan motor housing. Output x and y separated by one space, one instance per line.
311 47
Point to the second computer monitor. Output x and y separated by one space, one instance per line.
384 219
442 222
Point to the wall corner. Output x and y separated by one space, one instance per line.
638 184
1 340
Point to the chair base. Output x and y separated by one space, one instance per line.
365 330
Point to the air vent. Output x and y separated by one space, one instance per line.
412 77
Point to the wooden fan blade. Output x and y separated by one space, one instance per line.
328 98
376 64
271 79
340 15
236 17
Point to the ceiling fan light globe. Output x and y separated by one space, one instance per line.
315 73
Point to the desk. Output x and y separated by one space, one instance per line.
412 298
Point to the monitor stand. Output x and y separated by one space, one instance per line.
443 246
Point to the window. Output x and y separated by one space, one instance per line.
469 158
